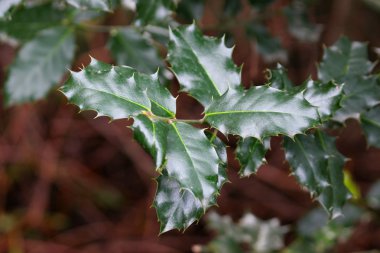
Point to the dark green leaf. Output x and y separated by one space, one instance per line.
326 96
343 61
5 5
153 12
26 21
177 208
118 92
190 10
361 94
251 155
260 112
318 166
129 47
202 64
39 65
370 122
103 5
152 137
192 161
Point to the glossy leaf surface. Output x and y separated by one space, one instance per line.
39 65
318 166
129 47
370 122
177 208
251 155
260 112
192 160
202 65
117 92
5 5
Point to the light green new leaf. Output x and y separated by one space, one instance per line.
5 5
152 136
177 208
344 60
370 122
154 12
326 96
260 112
318 166
39 65
202 65
192 161
250 153
26 22
117 92
129 47
103 5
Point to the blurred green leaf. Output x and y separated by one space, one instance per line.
129 47
370 122
103 5
39 65
318 166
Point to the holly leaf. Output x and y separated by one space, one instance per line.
5 5
129 47
103 5
177 208
260 112
326 96
154 12
318 166
39 65
193 161
26 21
202 65
250 153
151 135
344 60
370 122
118 92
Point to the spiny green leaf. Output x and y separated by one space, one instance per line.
154 11
193 161
110 91
177 208
326 96
361 94
39 65
129 47
318 166
103 5
117 92
260 112
5 5
26 21
370 122
250 153
152 136
344 60
202 64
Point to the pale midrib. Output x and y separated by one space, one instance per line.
122 98
187 154
163 108
374 123
204 70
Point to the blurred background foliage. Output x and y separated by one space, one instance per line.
72 184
